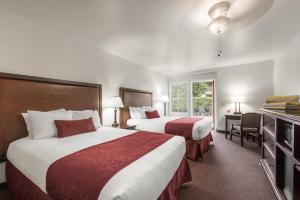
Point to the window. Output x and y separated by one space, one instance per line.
179 97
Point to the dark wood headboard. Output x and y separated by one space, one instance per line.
19 93
134 98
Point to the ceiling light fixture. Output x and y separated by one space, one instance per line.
219 21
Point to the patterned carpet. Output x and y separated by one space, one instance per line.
227 172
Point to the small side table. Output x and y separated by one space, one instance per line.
128 127
3 159
231 117
124 127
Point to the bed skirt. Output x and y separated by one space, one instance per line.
195 149
20 187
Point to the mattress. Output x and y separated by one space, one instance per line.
145 178
200 130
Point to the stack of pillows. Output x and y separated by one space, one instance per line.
144 112
60 123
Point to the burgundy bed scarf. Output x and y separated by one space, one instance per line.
20 187
62 176
184 127
66 184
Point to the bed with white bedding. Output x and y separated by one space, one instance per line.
145 178
139 111
37 147
200 130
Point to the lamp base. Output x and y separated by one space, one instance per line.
115 124
237 113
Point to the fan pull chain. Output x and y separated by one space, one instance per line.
219 44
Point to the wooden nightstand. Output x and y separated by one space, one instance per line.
3 159
124 127
128 127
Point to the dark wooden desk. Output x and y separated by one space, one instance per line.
230 117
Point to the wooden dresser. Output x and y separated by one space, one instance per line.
281 153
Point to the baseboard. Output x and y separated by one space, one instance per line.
3 185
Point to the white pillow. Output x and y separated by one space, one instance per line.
26 119
42 123
149 108
140 113
132 111
85 114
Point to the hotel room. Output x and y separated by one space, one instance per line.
140 99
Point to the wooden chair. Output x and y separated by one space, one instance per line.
249 125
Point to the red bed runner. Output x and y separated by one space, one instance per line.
182 127
83 174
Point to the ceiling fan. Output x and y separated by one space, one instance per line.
220 21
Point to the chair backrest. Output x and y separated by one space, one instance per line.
251 120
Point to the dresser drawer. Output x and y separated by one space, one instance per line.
269 123
270 161
269 141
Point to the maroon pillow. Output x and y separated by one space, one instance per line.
152 114
67 128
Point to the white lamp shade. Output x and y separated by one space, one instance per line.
115 102
237 98
165 99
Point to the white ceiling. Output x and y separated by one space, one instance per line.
169 36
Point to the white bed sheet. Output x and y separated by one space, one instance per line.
145 178
200 129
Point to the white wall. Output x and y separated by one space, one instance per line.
252 81
31 49
287 69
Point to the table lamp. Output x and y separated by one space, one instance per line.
237 103
165 100
115 102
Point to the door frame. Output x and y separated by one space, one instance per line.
213 98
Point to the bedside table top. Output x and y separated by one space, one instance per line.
123 127
3 159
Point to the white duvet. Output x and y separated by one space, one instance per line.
145 178
200 130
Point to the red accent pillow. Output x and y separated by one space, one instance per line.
67 128
152 114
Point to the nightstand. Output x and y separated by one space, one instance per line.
123 127
2 172
3 159
128 127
